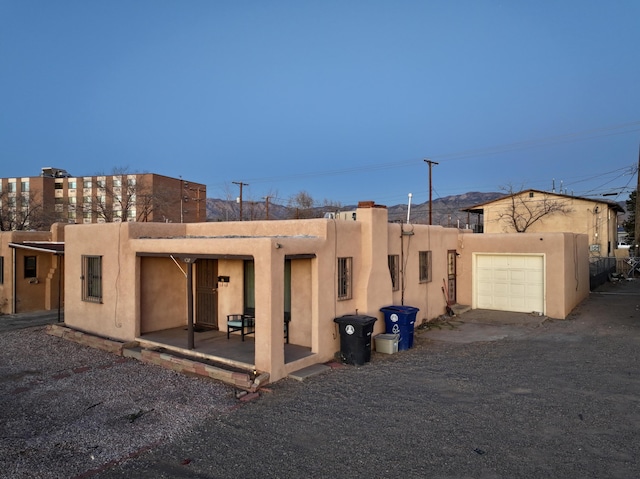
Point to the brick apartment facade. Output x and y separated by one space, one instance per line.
55 196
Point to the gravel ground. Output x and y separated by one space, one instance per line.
547 399
68 410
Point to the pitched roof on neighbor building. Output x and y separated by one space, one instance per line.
479 207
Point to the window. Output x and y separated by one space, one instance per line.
72 184
344 278
24 186
86 183
117 182
92 278
11 187
425 266
59 185
1 269
30 267
394 271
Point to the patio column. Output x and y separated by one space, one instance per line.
269 289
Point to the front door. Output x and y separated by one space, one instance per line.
207 294
451 275
249 288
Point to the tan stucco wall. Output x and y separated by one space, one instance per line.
300 331
595 219
145 292
30 295
163 289
566 260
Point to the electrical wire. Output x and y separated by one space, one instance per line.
623 128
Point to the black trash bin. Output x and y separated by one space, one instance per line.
400 320
355 338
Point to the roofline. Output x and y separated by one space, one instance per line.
37 248
479 206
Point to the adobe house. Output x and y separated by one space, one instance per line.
537 211
31 270
175 286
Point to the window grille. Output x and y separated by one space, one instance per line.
344 278
425 266
394 271
92 278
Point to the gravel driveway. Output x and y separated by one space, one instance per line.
542 398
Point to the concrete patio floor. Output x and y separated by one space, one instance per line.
215 345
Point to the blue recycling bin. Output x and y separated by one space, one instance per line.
401 320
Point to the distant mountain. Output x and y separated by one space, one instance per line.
445 211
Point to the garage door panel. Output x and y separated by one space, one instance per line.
517 261
518 290
510 282
518 275
501 275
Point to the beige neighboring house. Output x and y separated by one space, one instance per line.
159 284
536 211
31 270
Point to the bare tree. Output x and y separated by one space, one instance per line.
301 203
23 212
124 196
524 211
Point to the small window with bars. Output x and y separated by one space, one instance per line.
344 278
425 266
92 278
394 271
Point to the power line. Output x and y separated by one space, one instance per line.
466 154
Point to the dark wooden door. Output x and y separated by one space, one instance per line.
451 275
207 293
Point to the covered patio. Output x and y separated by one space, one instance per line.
214 345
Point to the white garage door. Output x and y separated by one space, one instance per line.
510 282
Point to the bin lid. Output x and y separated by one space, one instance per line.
399 309
360 319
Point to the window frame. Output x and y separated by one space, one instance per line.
424 266
345 278
393 260
92 291
30 271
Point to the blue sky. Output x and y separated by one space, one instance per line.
341 99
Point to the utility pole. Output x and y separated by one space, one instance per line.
636 239
181 200
431 163
240 184
266 206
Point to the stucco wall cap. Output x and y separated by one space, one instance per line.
225 237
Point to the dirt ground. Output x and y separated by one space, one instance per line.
484 395
491 395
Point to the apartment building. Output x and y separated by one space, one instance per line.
57 196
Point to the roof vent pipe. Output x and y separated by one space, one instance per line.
409 208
